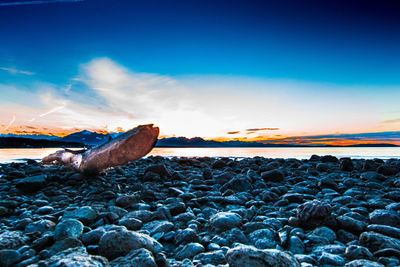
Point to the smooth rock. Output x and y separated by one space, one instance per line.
8 257
114 243
247 256
85 214
31 184
354 252
213 257
363 263
138 257
74 257
375 241
12 239
225 220
189 251
69 228
273 176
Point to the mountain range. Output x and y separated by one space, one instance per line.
88 138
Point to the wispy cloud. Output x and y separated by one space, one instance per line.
39 2
234 132
11 122
261 129
392 121
17 71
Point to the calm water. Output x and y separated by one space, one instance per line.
11 154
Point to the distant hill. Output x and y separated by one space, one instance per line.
32 136
21 142
88 138
200 142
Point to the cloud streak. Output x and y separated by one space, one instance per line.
11 122
20 3
17 71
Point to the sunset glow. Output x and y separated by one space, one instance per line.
267 90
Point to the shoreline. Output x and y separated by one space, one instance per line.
184 211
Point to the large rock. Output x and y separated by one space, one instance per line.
363 263
68 228
138 257
263 238
189 251
8 257
74 257
85 214
65 244
239 184
115 243
247 256
273 176
12 239
158 227
385 217
40 226
313 213
31 184
375 241
225 220
213 257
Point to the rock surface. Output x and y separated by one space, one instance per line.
175 212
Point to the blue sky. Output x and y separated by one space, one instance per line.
305 48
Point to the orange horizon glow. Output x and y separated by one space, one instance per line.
274 139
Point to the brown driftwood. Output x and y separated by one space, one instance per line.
129 146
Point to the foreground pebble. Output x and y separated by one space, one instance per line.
159 211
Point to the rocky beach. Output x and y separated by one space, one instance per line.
159 211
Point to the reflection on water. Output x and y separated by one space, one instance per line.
13 154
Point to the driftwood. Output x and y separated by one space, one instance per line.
129 146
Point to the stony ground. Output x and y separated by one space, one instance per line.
203 211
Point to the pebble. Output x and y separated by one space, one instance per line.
160 211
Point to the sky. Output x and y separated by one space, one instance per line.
222 70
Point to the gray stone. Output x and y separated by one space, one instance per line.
375 241
138 257
385 217
119 243
313 212
31 184
364 263
326 233
93 237
12 239
143 215
354 252
131 223
331 259
65 244
74 257
213 257
8 257
351 224
85 214
225 220
68 228
187 235
296 245
158 227
40 226
273 176
189 251
263 238
247 256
